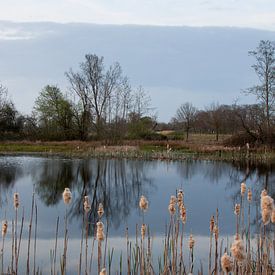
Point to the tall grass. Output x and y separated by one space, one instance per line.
240 256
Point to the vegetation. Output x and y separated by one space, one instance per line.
102 105
244 253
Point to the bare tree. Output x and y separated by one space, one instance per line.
96 87
215 118
185 115
265 70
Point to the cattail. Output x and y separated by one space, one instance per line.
266 207
103 271
216 232
100 231
243 188
183 214
143 203
67 196
172 209
238 250
87 205
237 209
249 195
273 216
226 263
212 224
191 242
173 200
16 200
4 228
143 230
180 198
100 210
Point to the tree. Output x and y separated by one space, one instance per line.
185 115
95 88
265 70
54 113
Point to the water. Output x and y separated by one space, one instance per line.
118 184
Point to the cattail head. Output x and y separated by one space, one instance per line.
103 271
180 198
238 250
243 188
172 208
191 242
183 214
16 200
87 205
237 209
226 263
266 207
216 232
100 231
263 193
67 196
4 228
143 203
212 224
173 200
249 195
100 210
143 231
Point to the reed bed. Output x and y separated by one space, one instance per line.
241 254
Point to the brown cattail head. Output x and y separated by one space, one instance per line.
100 231
103 271
212 224
266 207
216 232
172 208
143 203
183 214
4 228
16 200
67 196
180 198
226 263
100 210
143 231
191 242
249 195
243 188
237 209
238 250
173 200
86 204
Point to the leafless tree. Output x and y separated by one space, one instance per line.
265 70
185 115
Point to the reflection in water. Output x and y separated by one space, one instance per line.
118 184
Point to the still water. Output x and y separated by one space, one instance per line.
118 184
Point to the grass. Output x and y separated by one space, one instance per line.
239 255
198 147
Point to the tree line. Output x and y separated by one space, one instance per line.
101 104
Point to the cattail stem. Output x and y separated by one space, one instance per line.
29 239
34 246
81 244
55 246
65 242
20 238
86 243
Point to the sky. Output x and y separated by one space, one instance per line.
174 52
238 13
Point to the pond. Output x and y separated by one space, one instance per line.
118 185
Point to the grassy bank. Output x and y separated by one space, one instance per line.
198 147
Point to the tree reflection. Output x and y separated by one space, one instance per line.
118 184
